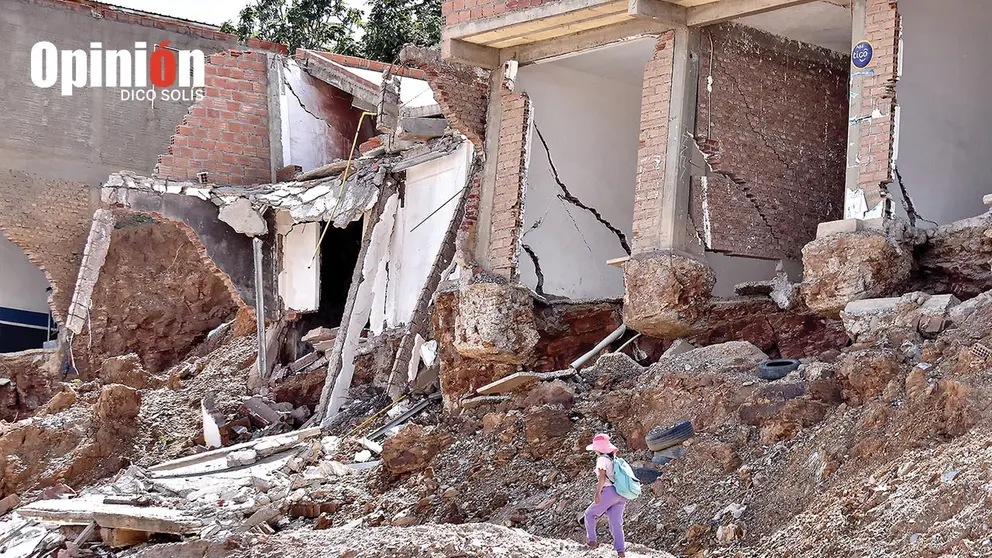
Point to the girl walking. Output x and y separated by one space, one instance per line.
607 499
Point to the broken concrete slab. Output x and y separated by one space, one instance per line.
677 348
320 334
305 361
828 228
421 128
864 320
845 267
243 218
264 446
83 511
421 111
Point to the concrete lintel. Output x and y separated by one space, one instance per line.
586 40
681 122
421 112
454 50
658 10
509 19
727 10
414 128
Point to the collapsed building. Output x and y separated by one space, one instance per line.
700 186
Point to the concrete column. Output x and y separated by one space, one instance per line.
667 282
873 110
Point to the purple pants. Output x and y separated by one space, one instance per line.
612 504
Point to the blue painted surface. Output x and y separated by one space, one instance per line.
25 317
861 54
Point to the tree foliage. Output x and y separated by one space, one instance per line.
334 26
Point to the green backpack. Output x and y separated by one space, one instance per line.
624 480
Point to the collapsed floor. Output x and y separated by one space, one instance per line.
877 445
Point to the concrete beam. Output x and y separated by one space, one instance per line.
658 10
856 94
454 50
509 19
727 10
586 40
681 122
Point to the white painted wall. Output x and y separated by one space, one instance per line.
591 124
22 284
733 270
432 185
299 280
945 134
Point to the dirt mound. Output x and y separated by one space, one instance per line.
174 296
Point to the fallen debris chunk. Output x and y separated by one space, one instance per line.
242 458
679 347
120 538
265 514
370 445
9 503
265 447
509 383
305 361
320 334
987 200
83 511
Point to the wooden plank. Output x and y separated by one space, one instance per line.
659 10
727 10
618 262
546 10
522 29
83 511
590 39
558 31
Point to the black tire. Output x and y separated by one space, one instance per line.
663 438
777 369
645 475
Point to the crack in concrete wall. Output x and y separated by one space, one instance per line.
567 196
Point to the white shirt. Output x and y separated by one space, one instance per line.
606 464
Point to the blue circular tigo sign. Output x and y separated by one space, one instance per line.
861 54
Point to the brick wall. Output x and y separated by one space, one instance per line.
461 91
876 147
226 133
511 185
50 220
653 148
774 127
459 11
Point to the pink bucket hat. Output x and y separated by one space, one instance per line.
601 444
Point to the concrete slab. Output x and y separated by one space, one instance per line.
421 128
510 383
243 218
83 511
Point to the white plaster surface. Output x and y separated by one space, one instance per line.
823 24
591 124
428 187
733 270
945 134
22 284
299 280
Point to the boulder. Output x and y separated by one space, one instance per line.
126 370
545 428
666 293
842 268
957 258
117 403
495 323
864 375
412 449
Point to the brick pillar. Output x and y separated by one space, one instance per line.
653 150
873 105
510 184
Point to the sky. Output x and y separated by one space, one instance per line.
215 12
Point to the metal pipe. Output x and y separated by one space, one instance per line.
627 342
602 345
259 306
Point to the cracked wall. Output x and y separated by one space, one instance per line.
583 163
772 122
944 134
319 121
